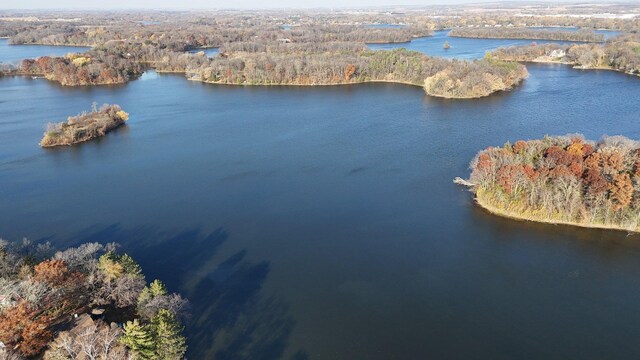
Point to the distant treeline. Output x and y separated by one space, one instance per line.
190 36
283 64
526 33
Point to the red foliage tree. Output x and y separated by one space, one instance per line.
613 163
576 169
587 149
593 162
559 156
595 182
349 70
485 163
53 272
621 191
531 173
507 176
24 329
560 171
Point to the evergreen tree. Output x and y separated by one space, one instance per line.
130 266
154 290
157 288
139 338
170 344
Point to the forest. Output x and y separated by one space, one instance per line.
85 302
621 53
440 77
85 126
562 179
526 33
95 67
277 62
298 47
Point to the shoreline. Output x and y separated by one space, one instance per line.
576 66
359 83
482 203
61 45
304 85
526 38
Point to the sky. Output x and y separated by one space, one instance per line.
213 4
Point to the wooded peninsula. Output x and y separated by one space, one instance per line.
290 48
621 54
527 33
562 180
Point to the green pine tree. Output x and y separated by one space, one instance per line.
170 344
129 265
157 288
139 338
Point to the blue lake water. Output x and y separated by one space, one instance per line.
210 52
13 54
322 223
461 48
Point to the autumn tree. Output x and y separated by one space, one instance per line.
25 329
621 191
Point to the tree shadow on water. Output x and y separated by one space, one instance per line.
231 317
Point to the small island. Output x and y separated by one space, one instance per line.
84 126
561 180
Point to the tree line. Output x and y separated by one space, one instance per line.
526 33
301 64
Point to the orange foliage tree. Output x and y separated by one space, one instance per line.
25 329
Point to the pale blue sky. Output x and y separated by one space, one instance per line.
191 4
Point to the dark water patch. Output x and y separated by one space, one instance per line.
394 261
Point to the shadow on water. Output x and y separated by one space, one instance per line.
231 317
606 244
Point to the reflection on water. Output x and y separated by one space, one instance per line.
323 222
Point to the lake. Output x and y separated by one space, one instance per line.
210 52
322 223
465 48
13 54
